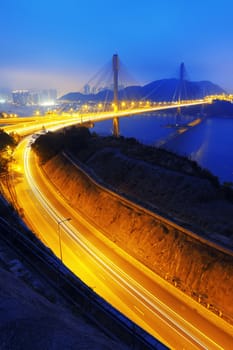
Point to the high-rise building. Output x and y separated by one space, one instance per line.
86 89
46 97
34 97
21 97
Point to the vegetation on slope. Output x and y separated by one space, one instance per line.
197 269
173 185
7 144
164 182
50 144
83 144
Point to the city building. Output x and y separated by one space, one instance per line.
86 89
20 97
45 97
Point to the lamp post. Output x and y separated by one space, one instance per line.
59 234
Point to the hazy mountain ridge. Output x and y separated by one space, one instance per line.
158 90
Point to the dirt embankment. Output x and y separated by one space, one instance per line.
200 271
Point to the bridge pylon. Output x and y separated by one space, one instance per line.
181 84
115 67
182 77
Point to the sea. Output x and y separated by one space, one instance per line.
209 141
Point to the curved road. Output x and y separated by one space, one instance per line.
162 310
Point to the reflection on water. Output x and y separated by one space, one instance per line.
210 143
147 128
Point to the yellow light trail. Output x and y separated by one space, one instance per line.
155 305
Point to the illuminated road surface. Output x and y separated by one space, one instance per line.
31 124
149 301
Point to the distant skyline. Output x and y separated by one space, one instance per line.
62 44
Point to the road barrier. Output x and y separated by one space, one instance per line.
83 298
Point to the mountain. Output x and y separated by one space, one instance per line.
159 90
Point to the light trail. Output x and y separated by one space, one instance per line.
150 306
112 270
130 287
23 124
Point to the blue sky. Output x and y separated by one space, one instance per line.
62 44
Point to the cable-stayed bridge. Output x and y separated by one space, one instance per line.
184 325
114 104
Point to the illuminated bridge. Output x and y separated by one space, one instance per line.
114 110
151 302
32 124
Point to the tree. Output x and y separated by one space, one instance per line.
7 143
5 140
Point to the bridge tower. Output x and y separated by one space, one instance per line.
115 67
181 84
182 73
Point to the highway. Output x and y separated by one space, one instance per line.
32 123
155 305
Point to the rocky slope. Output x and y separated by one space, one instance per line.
33 313
203 272
172 186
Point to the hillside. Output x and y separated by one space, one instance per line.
170 184
159 90
167 184
35 315
31 321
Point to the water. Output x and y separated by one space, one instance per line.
210 143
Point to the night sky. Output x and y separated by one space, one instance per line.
62 44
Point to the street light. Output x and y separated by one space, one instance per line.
59 233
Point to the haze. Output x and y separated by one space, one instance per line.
61 44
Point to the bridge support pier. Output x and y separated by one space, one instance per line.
116 131
115 67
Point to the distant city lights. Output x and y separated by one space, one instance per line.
45 97
47 104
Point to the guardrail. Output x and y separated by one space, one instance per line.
148 208
105 317
153 211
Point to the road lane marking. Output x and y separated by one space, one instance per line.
140 311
